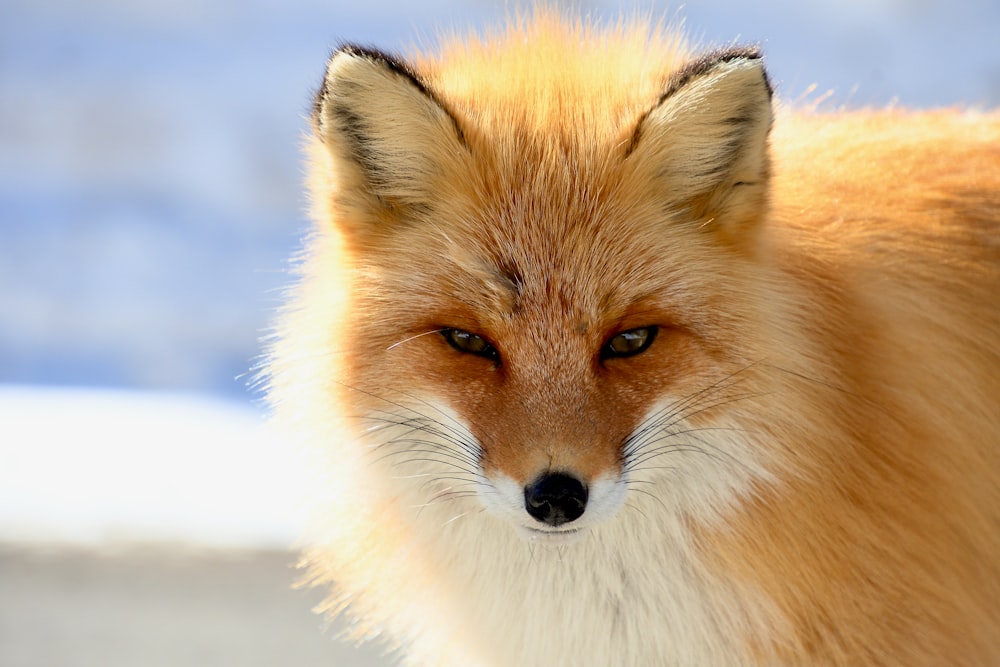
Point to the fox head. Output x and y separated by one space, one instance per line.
546 271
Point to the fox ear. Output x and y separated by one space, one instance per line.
705 141
381 122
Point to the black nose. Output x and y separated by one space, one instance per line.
555 498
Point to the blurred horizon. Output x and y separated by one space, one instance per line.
150 188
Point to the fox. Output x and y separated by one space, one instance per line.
605 355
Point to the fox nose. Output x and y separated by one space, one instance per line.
555 498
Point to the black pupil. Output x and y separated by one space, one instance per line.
630 342
471 343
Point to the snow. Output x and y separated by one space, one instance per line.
91 467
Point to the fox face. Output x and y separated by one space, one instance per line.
526 326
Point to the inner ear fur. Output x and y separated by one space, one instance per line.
384 126
705 141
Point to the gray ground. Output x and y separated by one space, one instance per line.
154 607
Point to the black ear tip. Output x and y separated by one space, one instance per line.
755 52
370 54
750 52
389 62
745 51
364 51
713 59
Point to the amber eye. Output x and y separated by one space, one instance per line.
470 343
629 343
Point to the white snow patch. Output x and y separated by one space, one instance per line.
97 466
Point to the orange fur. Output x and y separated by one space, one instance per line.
827 488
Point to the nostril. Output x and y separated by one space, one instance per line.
555 498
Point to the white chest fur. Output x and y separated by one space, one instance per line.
629 593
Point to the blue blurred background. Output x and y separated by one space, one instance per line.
149 165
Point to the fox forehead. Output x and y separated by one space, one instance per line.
575 232
555 262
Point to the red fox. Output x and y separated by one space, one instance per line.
608 358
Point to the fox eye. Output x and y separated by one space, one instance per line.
470 343
629 343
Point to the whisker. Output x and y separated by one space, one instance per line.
417 446
654 497
421 423
454 518
827 385
635 508
666 432
407 340
441 497
460 430
658 428
648 452
675 411
455 432
454 461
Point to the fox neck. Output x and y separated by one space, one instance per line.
513 598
